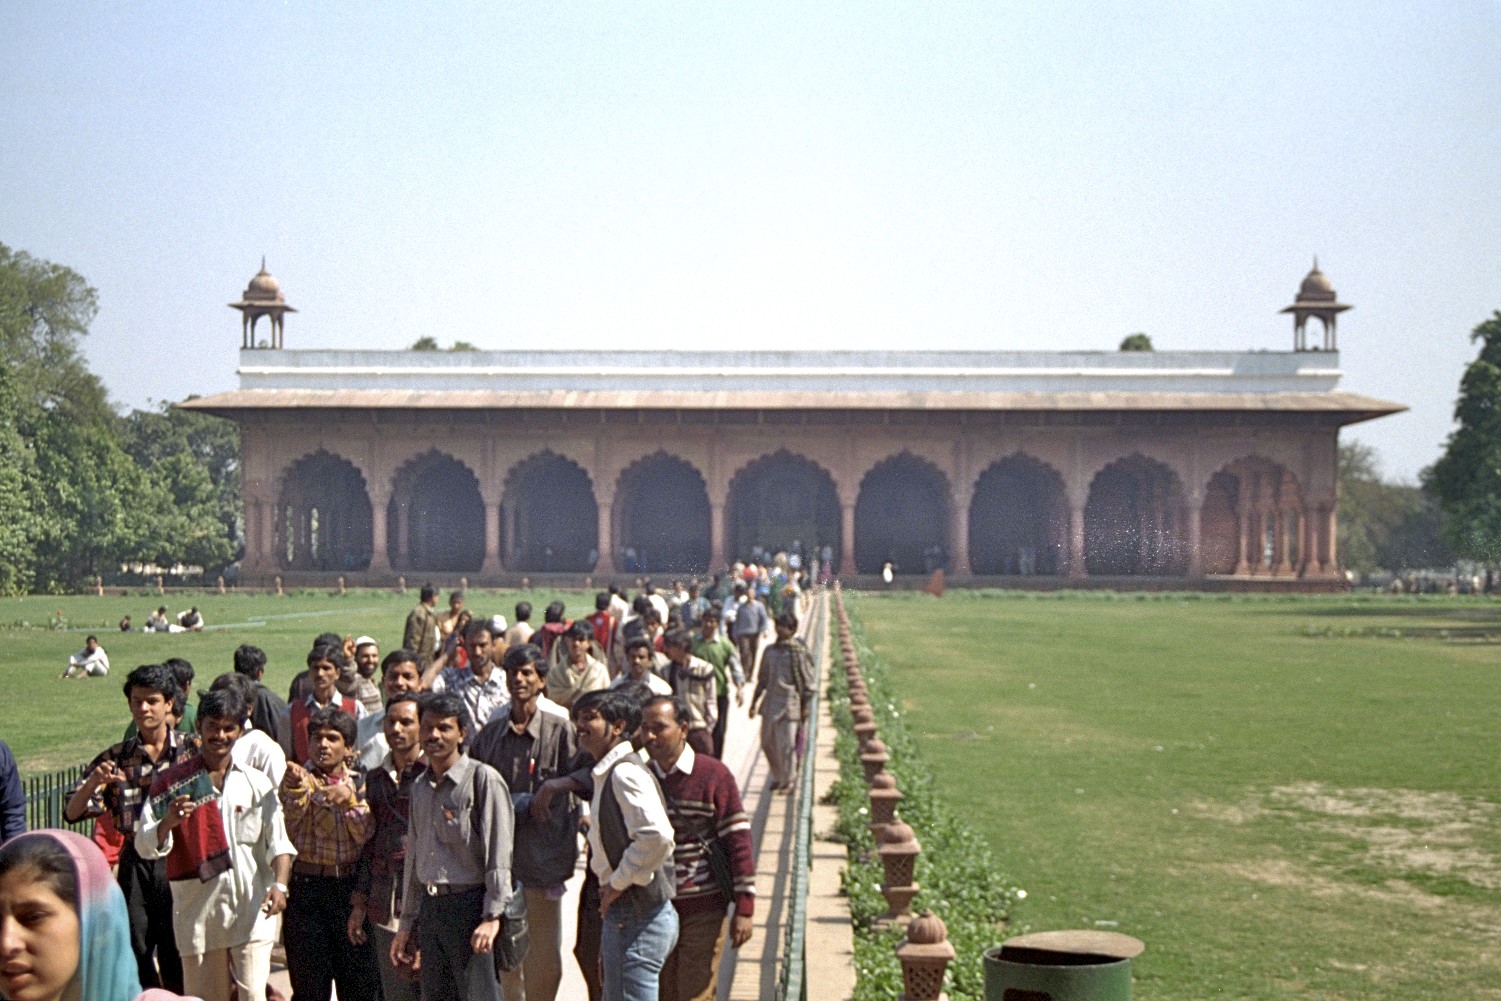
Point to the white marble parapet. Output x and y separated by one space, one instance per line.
841 372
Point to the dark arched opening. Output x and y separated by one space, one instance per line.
662 517
436 518
1133 521
781 503
902 515
1018 519
549 519
324 516
1252 521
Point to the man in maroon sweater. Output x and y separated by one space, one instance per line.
703 803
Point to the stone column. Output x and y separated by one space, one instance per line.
959 539
1243 552
606 541
1331 531
717 556
846 537
1076 566
492 539
1308 555
380 559
1284 540
397 530
1195 535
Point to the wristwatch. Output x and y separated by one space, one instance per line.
282 887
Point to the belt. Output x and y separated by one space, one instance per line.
301 868
445 889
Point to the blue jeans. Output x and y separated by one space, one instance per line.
632 949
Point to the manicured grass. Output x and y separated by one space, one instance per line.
1283 797
54 724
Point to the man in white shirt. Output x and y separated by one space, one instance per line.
256 749
224 925
90 662
640 661
631 846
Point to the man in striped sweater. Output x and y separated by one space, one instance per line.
703 804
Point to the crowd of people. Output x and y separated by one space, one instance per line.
398 820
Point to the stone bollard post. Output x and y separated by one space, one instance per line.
401 584
526 583
463 583
341 584
279 591
884 797
159 588
221 583
99 585
588 582
898 851
873 758
925 956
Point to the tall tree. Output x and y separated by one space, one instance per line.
1467 477
1385 526
45 310
195 459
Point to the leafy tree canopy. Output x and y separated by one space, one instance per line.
1137 342
1467 477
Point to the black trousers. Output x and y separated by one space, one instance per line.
723 702
319 953
148 900
450 969
590 925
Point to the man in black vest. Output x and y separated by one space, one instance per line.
632 845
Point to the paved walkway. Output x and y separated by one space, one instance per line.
753 971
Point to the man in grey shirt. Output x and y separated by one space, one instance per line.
457 875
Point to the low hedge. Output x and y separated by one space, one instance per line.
959 878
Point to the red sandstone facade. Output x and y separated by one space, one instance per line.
995 469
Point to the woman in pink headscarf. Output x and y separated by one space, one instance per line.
64 932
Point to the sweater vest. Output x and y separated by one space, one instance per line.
615 837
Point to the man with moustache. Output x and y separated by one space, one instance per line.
480 687
399 674
528 746
456 879
219 826
377 886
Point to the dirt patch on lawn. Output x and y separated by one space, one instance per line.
1402 831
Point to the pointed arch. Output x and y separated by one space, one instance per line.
902 514
549 519
661 517
323 517
1018 518
1254 520
781 501
1134 520
436 517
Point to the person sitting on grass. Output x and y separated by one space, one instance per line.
90 662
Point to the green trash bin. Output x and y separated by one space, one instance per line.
1062 966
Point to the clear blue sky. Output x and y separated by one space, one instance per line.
662 175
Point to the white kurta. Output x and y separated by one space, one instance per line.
225 912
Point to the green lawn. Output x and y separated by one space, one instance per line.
53 724
1283 797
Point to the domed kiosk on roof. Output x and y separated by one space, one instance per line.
1315 298
262 297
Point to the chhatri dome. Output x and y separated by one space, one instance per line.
262 297
1315 299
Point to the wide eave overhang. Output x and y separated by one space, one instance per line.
1344 408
